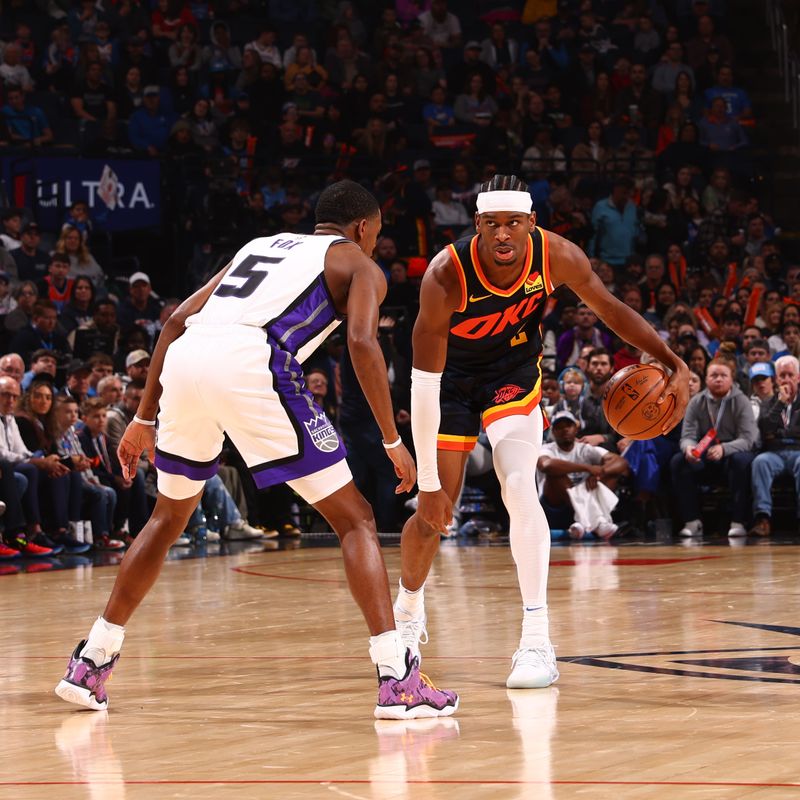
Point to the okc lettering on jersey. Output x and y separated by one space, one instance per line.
494 324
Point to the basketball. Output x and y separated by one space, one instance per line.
630 401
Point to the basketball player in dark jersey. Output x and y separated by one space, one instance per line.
477 354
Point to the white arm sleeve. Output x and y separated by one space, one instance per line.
425 418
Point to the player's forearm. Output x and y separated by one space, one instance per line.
425 420
628 325
370 369
148 405
174 328
557 467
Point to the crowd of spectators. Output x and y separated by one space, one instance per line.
626 119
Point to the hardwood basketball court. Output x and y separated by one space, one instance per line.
247 676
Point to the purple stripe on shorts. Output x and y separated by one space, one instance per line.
195 471
319 444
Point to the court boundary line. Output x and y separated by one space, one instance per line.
412 782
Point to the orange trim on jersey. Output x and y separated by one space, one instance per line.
523 407
473 250
548 283
446 441
462 278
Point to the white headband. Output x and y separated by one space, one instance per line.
504 201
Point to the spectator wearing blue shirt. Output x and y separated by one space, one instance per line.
737 101
438 114
615 220
27 124
150 126
720 132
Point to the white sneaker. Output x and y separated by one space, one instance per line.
240 530
184 540
413 633
736 530
694 527
212 537
576 531
533 668
76 531
605 530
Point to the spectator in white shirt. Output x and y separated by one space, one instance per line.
448 212
265 46
13 72
439 25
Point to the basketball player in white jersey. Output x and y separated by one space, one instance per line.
477 349
228 360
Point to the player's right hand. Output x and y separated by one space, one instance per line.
136 440
404 468
435 508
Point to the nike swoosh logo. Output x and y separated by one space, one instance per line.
474 299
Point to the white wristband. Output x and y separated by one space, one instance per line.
393 444
425 418
150 423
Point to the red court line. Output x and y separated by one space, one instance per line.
515 588
244 571
363 782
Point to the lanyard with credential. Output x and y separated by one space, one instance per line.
711 435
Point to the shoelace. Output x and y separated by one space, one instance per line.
414 628
530 656
428 682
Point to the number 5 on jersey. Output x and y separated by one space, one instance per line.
252 277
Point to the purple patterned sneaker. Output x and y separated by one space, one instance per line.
413 696
84 682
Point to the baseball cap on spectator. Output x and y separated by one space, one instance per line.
136 357
77 366
762 369
560 416
31 227
473 45
422 163
138 276
151 90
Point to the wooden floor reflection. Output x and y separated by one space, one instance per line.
247 677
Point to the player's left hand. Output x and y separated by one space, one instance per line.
404 468
678 386
136 440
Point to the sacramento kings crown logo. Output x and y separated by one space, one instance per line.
322 433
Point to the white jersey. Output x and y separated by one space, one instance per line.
277 283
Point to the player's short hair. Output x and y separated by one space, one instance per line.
344 202
504 183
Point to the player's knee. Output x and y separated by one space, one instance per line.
518 485
354 518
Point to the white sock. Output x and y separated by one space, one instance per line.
104 642
410 605
535 626
388 653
